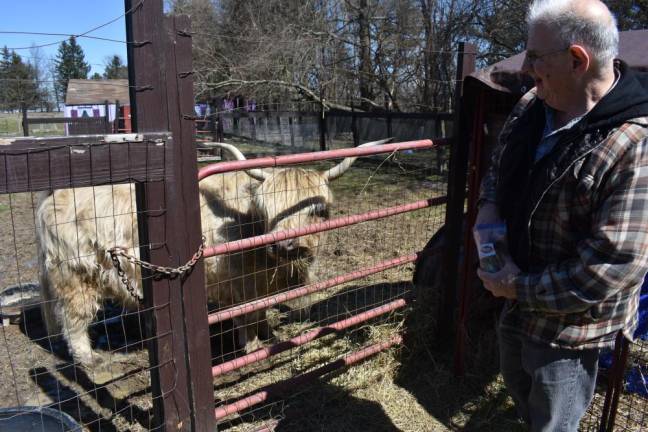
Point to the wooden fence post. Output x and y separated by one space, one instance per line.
322 128
220 132
354 128
281 135
106 117
25 121
117 121
292 132
170 229
253 134
456 195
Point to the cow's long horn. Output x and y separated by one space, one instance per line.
341 168
255 173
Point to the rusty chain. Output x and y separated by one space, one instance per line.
171 272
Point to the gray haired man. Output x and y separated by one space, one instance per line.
569 179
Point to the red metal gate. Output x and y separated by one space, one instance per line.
287 293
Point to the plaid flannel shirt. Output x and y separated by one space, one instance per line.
588 284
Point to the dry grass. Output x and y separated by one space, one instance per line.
11 125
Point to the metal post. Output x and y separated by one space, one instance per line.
456 195
615 383
438 133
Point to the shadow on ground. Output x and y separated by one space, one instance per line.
113 397
337 410
476 401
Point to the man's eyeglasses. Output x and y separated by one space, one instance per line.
532 57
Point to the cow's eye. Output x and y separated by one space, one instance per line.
320 210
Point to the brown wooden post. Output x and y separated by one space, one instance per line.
354 128
211 124
281 137
25 121
170 227
456 195
292 132
106 117
220 133
194 297
322 128
116 123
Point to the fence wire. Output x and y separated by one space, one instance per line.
72 338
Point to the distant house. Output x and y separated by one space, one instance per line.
91 98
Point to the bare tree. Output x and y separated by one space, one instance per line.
343 54
40 65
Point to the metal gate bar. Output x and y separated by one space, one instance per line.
316 333
266 239
299 158
277 389
309 289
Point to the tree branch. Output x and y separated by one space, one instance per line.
301 89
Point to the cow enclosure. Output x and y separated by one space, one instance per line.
116 395
301 312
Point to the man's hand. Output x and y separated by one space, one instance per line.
500 284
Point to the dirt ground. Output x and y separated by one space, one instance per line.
411 387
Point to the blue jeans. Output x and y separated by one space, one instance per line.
551 387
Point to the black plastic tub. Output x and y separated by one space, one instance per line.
36 419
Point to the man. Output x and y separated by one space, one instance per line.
570 180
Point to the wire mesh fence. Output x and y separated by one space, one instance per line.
631 412
74 345
621 401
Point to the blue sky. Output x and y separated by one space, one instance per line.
65 16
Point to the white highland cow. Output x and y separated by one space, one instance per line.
77 227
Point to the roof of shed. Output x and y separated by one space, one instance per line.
506 75
93 92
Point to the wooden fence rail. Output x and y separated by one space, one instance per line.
76 125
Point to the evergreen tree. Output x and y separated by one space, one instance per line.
115 68
5 83
70 64
96 76
22 90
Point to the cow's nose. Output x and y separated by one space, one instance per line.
288 245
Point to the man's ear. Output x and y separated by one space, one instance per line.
580 59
